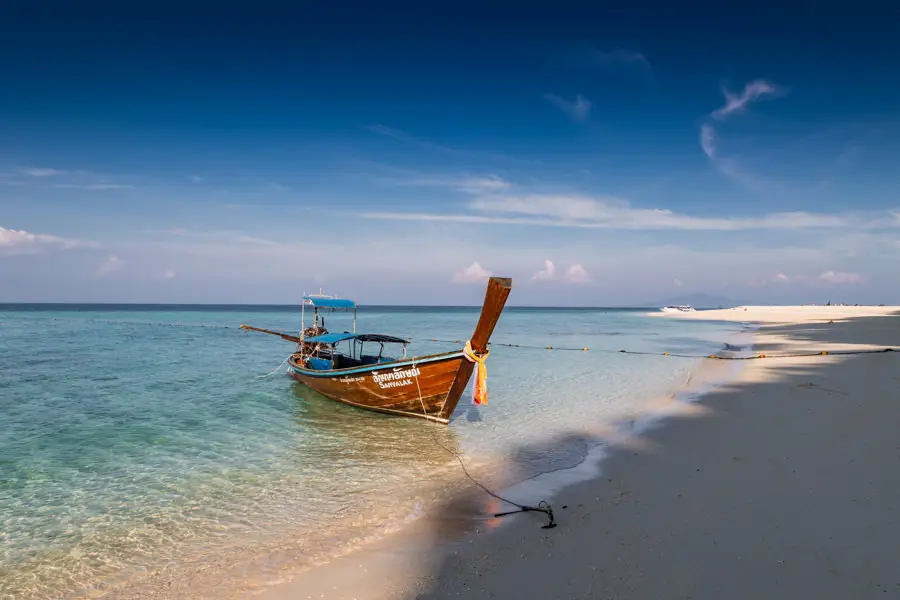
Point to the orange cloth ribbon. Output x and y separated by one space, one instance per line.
480 395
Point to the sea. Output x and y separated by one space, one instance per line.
140 443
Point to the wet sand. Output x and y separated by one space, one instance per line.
786 486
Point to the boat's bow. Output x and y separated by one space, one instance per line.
498 289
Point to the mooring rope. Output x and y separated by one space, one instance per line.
278 368
542 506
681 355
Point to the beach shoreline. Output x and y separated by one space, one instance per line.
783 485
385 568
688 456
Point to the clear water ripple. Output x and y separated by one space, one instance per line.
139 440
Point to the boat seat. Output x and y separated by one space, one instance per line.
367 359
319 364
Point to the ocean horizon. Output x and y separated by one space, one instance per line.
129 306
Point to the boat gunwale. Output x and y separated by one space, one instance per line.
386 411
416 360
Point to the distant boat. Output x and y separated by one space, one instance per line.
679 308
427 387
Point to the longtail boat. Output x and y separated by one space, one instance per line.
337 365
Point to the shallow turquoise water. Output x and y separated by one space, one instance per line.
135 439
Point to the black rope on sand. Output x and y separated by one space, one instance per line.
543 506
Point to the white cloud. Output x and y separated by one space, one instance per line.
753 91
577 274
35 172
841 278
170 274
578 110
677 282
13 241
113 263
472 274
78 179
221 236
548 272
195 178
782 277
95 186
471 184
619 57
708 140
606 212
495 200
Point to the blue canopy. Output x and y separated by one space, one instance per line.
333 338
320 302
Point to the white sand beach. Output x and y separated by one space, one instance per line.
783 314
784 483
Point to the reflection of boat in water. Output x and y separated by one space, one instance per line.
427 387
678 308
341 431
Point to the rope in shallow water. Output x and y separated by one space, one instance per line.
542 506
278 368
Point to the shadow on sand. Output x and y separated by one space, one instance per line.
782 487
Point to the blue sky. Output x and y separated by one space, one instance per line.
399 153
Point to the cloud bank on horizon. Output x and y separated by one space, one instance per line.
592 173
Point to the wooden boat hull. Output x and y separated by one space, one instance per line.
427 387
416 387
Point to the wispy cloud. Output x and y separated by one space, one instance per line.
408 138
94 186
471 184
474 273
735 104
195 178
827 277
16 241
112 264
753 91
618 58
72 179
841 278
579 110
39 172
403 136
10 180
547 273
488 204
221 236
708 140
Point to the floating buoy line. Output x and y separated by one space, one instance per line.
550 347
